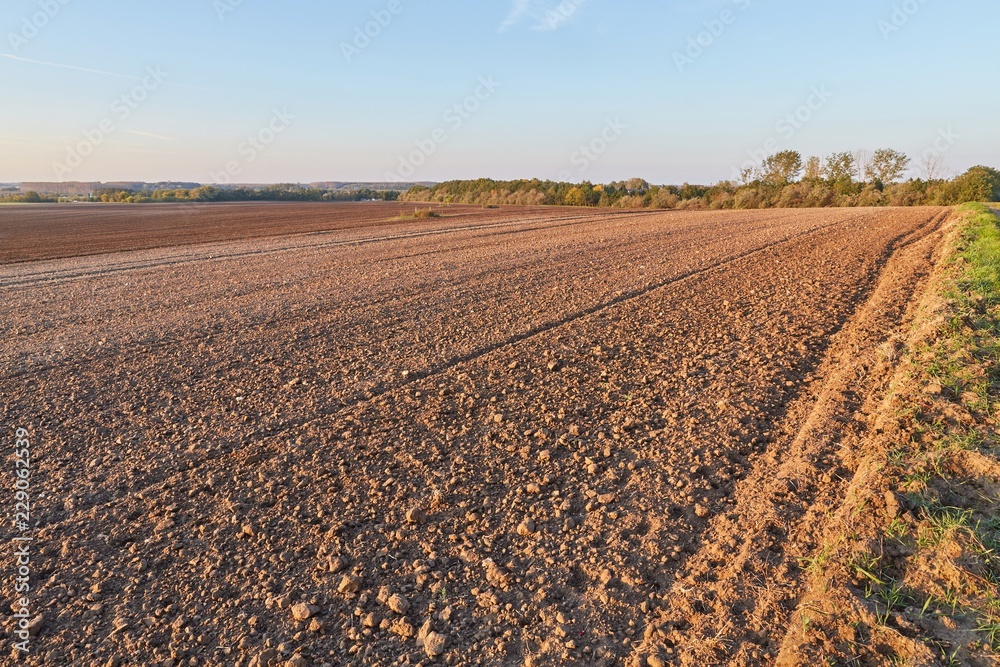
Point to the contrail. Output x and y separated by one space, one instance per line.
81 69
89 70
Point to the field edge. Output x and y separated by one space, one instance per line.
737 597
907 571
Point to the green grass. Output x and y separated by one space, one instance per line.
869 566
942 523
950 659
892 597
814 565
990 628
981 239
965 361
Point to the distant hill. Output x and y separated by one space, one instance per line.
339 185
88 188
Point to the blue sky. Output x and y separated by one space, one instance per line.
251 91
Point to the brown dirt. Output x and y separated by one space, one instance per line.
562 437
48 231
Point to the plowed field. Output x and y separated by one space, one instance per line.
311 434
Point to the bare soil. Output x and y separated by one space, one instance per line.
507 437
47 231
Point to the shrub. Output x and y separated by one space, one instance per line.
747 198
692 204
721 200
794 196
911 193
664 199
820 196
870 196
631 201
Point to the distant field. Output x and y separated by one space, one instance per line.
47 231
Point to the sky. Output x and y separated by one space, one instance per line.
219 91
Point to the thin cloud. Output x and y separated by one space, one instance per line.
519 9
151 135
548 16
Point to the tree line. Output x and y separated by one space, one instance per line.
210 193
783 180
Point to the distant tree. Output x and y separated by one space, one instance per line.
205 193
782 168
839 168
813 169
636 186
932 165
688 191
748 175
664 198
888 165
576 197
590 195
862 165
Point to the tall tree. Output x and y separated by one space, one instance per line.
748 175
839 168
814 169
782 168
933 167
888 165
863 165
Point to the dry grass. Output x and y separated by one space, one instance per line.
923 581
